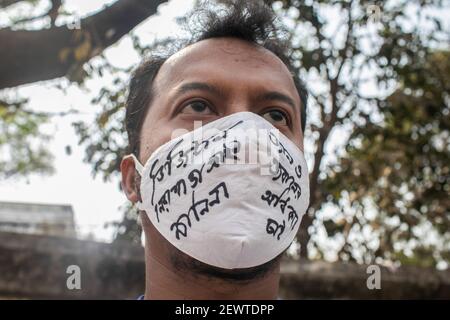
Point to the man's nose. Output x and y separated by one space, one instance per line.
238 105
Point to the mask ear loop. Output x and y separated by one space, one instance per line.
139 167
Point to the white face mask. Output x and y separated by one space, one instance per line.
230 194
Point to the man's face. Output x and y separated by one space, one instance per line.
215 78
204 82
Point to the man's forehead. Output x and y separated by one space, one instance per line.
227 46
220 51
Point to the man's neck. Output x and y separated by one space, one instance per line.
164 283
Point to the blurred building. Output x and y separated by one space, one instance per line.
39 219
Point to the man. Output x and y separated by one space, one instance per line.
234 63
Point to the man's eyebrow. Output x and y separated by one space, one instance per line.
191 86
275 95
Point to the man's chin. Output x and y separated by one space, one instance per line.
185 263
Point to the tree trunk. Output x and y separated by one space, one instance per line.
30 56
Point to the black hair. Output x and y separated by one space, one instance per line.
251 21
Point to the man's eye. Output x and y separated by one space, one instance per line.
196 107
276 117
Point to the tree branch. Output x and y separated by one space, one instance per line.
52 13
7 3
329 121
30 56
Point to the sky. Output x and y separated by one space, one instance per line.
94 202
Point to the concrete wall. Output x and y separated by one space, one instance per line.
36 218
34 266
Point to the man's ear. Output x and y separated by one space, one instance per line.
128 182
